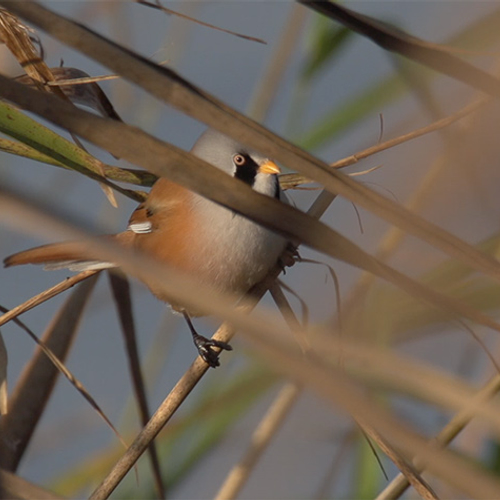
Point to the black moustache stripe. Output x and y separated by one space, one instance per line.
247 172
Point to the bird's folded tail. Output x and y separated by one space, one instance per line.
74 255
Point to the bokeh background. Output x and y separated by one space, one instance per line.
355 97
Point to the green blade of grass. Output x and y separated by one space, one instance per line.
40 143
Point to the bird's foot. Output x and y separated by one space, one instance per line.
289 257
206 349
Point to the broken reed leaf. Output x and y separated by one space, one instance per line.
87 94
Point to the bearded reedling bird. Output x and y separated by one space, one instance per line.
191 233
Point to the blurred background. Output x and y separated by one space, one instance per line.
338 94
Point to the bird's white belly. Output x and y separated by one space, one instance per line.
239 253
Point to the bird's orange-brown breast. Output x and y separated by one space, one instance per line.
170 240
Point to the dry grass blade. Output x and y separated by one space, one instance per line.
170 87
432 55
121 293
159 157
38 379
15 487
157 5
44 296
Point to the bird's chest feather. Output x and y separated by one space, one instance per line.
237 252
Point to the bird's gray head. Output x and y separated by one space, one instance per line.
238 161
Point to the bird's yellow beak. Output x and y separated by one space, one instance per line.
269 167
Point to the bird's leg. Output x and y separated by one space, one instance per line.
206 346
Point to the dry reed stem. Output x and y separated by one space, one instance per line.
4 392
170 87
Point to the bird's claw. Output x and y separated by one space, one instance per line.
206 349
289 257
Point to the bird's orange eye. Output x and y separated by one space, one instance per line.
239 160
